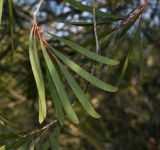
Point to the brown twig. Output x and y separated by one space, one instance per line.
45 127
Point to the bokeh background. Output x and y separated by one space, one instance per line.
130 118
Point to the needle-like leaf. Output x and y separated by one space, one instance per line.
125 66
87 52
59 86
38 76
55 99
83 73
77 90
54 138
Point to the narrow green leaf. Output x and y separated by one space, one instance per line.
79 93
82 7
31 144
140 47
59 87
1 8
142 61
41 143
83 73
55 99
125 66
54 139
42 101
38 77
87 52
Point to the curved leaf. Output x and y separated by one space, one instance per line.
79 93
87 52
59 87
83 73
35 64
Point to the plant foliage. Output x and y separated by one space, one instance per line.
53 68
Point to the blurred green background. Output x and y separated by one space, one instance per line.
129 118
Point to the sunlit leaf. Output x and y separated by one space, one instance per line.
38 76
83 73
79 93
59 86
2 148
1 8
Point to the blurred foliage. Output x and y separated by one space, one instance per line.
130 117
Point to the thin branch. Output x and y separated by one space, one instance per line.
38 8
95 33
96 39
45 127
95 27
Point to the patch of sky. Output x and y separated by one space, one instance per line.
66 10
60 26
62 33
104 9
86 14
58 9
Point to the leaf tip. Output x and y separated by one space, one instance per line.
96 115
41 118
115 89
114 62
76 120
